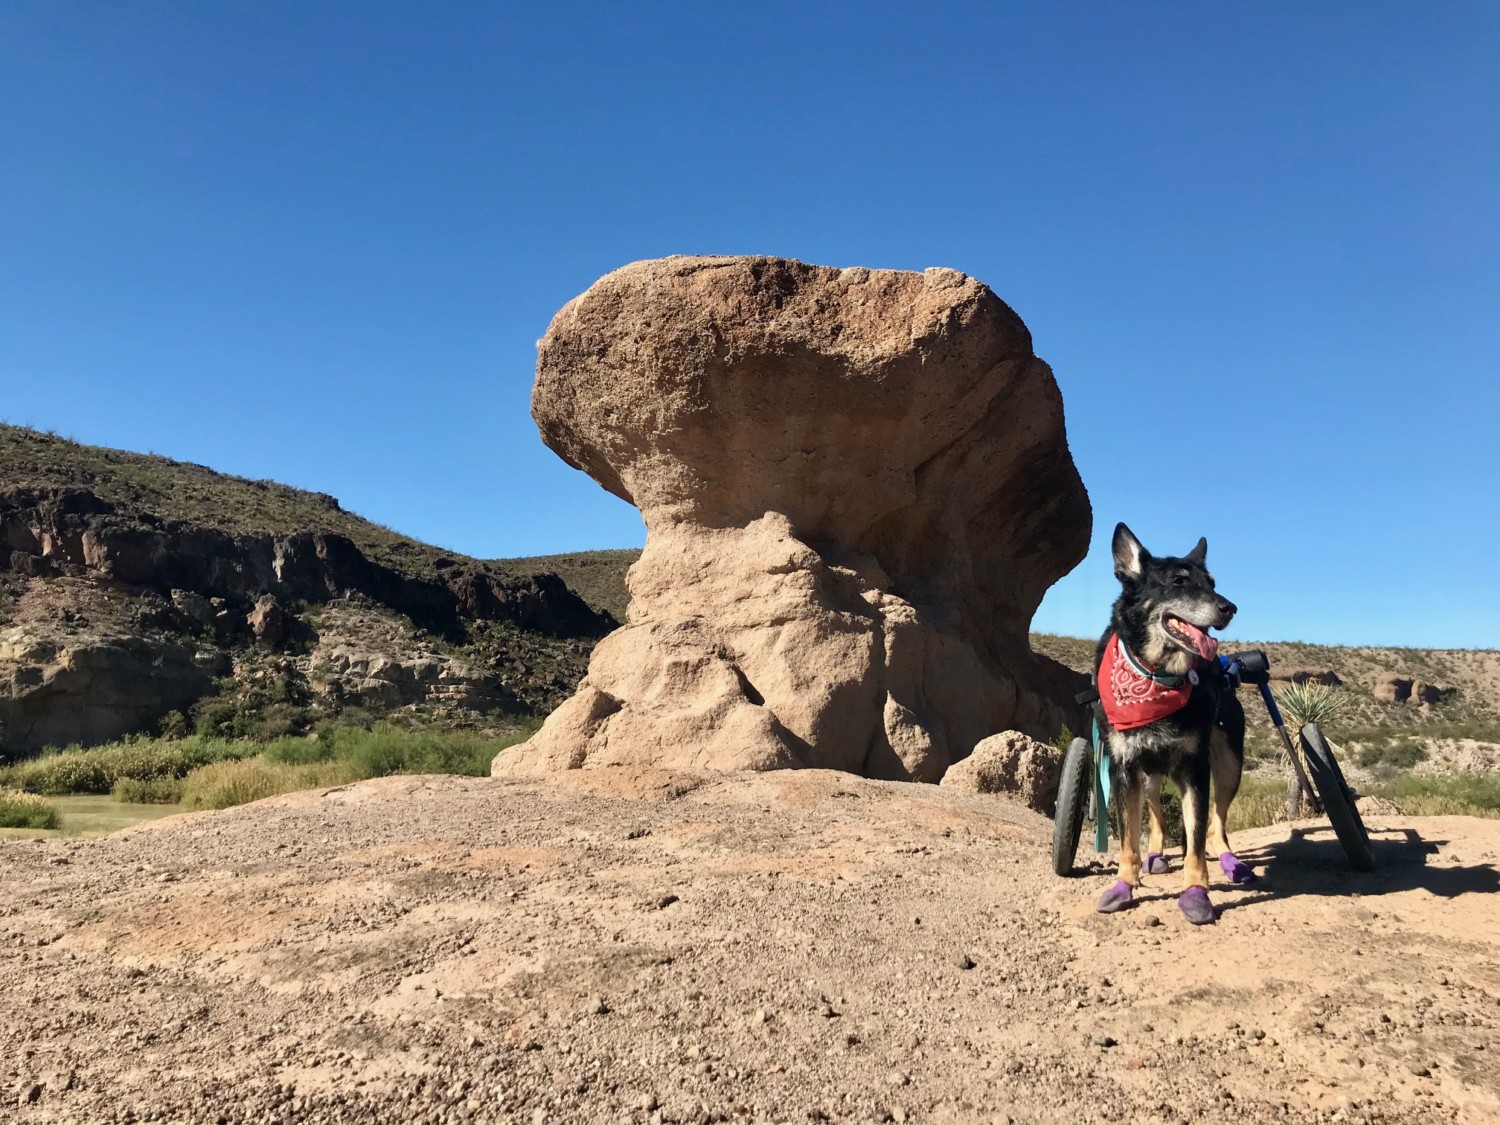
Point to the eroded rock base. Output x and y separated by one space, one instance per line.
747 649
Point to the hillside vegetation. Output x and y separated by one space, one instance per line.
182 492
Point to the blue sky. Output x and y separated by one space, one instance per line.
1259 244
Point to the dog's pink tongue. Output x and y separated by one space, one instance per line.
1207 647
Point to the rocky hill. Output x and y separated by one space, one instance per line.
129 587
137 590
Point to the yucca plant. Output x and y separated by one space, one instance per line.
1311 703
1302 704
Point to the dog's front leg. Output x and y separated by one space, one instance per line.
1118 896
1194 902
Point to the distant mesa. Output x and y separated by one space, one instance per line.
856 487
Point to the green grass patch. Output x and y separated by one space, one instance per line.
216 773
156 791
26 810
100 769
1392 756
339 756
1456 794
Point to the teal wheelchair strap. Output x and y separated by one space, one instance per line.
1101 791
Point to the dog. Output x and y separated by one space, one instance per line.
1169 711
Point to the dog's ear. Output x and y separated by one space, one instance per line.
1130 556
1198 553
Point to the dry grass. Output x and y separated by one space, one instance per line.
224 784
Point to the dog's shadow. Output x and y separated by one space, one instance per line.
1310 861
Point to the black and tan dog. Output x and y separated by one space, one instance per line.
1169 712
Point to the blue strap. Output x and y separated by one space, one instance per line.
1101 791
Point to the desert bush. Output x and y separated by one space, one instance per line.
264 709
227 783
1260 801
26 810
154 791
1457 794
96 770
1391 756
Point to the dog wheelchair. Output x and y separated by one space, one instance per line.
1082 793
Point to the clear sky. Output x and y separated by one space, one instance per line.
1259 244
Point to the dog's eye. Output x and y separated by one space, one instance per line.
1179 579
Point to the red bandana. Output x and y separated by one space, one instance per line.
1131 697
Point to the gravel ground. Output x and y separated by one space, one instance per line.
633 946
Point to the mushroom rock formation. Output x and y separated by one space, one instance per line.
856 488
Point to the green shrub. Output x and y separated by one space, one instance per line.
174 724
215 718
156 791
75 770
228 783
384 750
26 810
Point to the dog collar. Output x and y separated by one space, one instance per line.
1166 679
1134 696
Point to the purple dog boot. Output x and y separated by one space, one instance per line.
1115 898
1156 864
1237 871
1195 906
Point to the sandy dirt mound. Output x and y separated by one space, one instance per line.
641 946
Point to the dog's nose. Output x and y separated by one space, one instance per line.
1227 608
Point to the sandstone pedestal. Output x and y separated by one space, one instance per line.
856 488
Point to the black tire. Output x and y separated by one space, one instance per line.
1073 793
1338 801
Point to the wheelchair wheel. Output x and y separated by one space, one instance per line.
1338 801
1073 795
